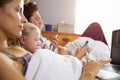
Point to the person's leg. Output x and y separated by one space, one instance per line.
91 68
95 32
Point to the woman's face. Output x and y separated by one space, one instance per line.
32 41
12 19
36 19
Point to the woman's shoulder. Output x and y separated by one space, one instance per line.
8 69
17 50
4 59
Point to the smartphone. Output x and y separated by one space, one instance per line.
86 43
86 57
56 36
51 45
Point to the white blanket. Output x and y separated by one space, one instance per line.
97 49
46 65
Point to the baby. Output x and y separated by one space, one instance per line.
30 38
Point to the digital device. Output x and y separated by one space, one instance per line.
86 56
115 47
85 44
51 45
112 71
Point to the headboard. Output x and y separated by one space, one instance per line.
63 38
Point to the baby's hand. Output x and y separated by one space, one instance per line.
45 46
62 50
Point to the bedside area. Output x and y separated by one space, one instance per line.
63 37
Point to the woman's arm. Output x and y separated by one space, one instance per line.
7 70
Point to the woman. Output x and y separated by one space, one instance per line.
11 12
31 12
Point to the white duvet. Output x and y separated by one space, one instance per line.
46 65
97 49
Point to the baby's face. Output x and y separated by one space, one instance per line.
32 41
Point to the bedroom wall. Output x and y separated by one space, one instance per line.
56 11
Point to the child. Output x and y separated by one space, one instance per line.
30 38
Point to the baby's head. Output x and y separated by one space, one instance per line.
30 38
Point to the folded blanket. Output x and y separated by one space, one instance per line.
47 65
97 49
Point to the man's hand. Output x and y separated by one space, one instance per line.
54 43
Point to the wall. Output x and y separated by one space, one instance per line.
105 12
55 11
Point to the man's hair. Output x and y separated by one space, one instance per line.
29 9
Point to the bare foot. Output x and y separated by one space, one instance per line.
91 68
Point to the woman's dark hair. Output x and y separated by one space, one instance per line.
4 2
29 9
